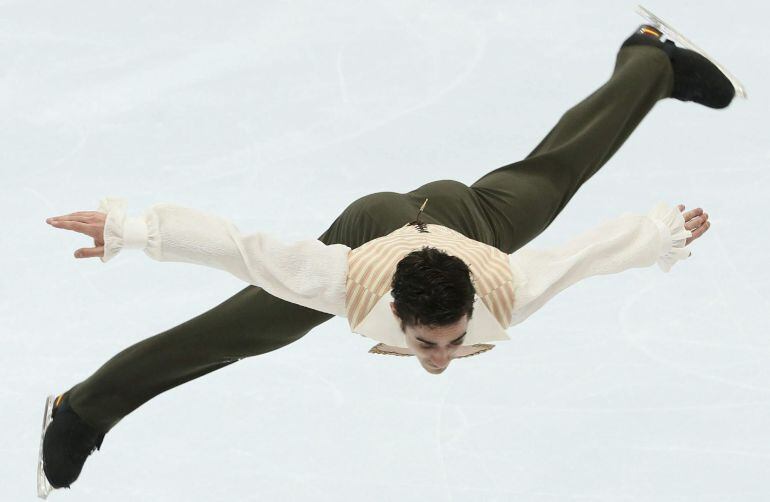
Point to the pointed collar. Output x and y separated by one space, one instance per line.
381 325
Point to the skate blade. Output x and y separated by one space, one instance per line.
682 41
43 486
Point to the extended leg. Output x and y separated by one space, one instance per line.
250 323
520 200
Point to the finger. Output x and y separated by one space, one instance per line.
700 230
82 216
681 207
692 213
76 213
694 223
90 252
83 228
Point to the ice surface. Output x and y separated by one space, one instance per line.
276 115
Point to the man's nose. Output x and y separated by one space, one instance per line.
441 360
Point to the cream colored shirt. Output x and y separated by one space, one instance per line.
313 274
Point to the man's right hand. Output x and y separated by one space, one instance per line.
90 223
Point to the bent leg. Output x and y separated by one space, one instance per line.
521 199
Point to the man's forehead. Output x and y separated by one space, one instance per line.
461 323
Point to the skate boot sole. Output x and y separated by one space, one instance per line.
682 41
43 486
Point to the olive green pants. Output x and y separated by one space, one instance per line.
505 208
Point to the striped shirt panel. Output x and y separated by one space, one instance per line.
371 267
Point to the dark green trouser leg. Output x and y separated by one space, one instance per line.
505 208
250 323
521 199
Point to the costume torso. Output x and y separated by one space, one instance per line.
370 271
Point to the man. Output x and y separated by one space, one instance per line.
451 257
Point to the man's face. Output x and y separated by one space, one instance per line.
435 347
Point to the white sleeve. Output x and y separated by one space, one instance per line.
629 241
308 273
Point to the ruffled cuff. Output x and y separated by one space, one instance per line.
122 231
670 223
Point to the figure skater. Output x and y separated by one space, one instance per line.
405 269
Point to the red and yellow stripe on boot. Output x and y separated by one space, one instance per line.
649 30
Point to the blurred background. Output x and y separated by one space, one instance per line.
276 115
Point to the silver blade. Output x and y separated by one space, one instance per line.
43 486
683 41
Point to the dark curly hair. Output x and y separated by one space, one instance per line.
432 288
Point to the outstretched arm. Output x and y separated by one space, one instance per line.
308 272
629 241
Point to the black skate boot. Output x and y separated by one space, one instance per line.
695 77
66 443
699 74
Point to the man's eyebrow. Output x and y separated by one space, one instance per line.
433 343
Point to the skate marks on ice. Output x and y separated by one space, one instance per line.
755 354
300 143
308 374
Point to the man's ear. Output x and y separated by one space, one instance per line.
395 314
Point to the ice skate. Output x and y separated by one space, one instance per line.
65 443
43 486
697 76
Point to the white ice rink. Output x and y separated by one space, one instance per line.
640 386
